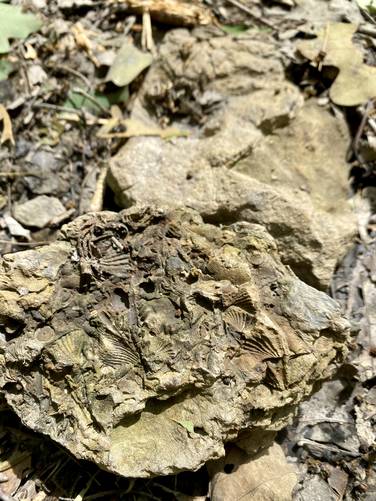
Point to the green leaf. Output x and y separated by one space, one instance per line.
129 63
235 29
5 68
188 425
369 5
78 101
15 24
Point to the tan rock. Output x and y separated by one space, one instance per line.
256 125
146 340
264 477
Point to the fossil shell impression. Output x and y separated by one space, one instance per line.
145 340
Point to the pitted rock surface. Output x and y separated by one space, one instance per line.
145 340
254 148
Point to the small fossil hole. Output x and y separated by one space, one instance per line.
148 286
229 468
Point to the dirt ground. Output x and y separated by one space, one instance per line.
60 106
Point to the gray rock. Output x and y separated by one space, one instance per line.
315 487
46 174
38 211
260 156
146 340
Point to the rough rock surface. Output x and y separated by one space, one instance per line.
145 340
255 124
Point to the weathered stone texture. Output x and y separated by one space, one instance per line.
145 340
254 151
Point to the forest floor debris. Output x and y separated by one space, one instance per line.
55 89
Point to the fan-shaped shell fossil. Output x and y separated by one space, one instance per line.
145 338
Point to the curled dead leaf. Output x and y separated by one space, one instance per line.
7 134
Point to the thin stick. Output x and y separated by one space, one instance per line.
250 13
24 244
147 33
55 107
76 73
92 99
96 202
16 174
353 148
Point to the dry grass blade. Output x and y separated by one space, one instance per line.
176 12
134 128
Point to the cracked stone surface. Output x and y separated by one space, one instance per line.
145 340
255 152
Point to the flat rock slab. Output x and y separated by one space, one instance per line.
266 476
247 123
146 340
38 211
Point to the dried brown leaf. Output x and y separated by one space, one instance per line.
13 470
356 81
7 134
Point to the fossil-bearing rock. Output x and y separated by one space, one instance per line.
145 340
255 151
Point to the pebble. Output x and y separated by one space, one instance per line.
38 211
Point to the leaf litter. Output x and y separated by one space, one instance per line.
356 81
58 151
15 24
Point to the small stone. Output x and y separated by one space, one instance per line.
15 228
36 74
39 211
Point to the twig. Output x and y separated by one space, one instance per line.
146 494
96 202
326 447
147 41
367 15
322 53
355 143
56 107
367 30
26 76
24 244
16 174
9 198
167 489
104 494
62 217
76 73
244 8
83 491
92 99
372 124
